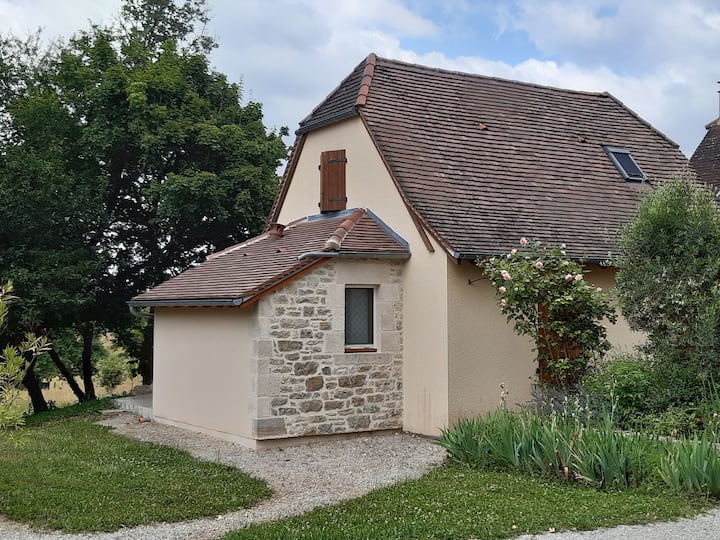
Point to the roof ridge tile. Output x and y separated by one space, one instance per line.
336 238
366 80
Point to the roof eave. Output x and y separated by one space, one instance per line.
334 119
190 302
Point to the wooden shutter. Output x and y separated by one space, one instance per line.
332 181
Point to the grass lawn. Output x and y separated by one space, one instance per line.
458 502
70 474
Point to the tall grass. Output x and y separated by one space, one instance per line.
556 444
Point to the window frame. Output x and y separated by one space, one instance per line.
611 152
370 346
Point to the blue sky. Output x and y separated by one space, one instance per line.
660 57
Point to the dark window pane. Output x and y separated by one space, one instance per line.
628 164
358 316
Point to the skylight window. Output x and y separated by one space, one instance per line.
625 163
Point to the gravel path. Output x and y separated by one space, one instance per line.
301 477
304 477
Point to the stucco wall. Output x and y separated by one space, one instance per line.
203 369
425 377
619 334
484 349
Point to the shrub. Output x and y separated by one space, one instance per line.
545 294
113 369
14 361
624 384
667 280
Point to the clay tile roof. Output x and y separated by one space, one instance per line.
240 273
706 158
484 161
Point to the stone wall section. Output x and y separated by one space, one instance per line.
306 383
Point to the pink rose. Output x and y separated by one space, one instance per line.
578 277
513 251
523 241
502 290
539 265
505 275
568 277
503 302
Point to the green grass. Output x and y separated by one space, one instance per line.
456 501
74 475
88 410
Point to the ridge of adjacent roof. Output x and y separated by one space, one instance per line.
705 161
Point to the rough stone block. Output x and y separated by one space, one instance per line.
352 381
312 384
268 427
358 422
329 405
311 405
279 402
357 401
371 408
294 323
287 411
376 398
285 345
343 394
306 368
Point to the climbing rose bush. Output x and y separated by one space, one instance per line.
547 297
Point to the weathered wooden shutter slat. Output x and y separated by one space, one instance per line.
332 181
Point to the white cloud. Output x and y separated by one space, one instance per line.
659 58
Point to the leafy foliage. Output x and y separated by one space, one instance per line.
668 280
563 444
546 296
124 159
13 364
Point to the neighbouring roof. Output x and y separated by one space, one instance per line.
483 161
706 158
241 273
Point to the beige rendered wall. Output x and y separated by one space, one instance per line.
619 334
425 374
202 369
484 349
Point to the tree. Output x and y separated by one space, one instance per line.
14 362
546 296
152 161
668 279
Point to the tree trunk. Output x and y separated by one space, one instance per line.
145 362
88 333
33 388
65 372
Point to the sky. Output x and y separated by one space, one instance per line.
659 57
